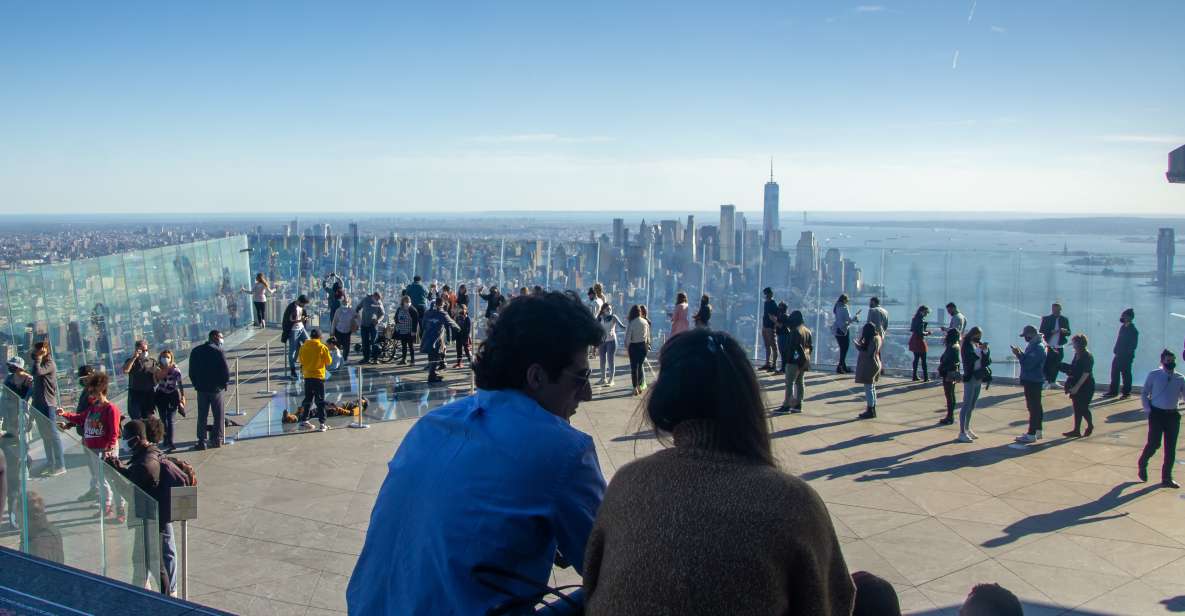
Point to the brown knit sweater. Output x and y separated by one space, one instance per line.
696 530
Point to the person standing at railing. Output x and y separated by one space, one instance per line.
435 322
210 375
769 315
1163 390
797 354
314 359
169 395
917 342
608 350
680 322
841 326
405 331
1055 329
419 301
335 291
370 313
977 373
18 384
1033 361
957 322
259 292
948 371
464 335
878 316
637 344
703 316
100 435
1125 353
345 323
782 332
494 302
292 331
44 398
141 368
868 365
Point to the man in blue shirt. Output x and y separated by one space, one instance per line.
1032 366
1163 389
499 481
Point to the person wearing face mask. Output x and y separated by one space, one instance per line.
977 360
521 485
1080 385
608 349
169 395
140 368
1125 353
405 333
210 374
1032 360
1163 390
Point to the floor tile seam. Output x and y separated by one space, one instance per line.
288 545
993 557
924 514
1179 545
252 595
1117 565
1003 558
994 560
887 559
299 517
1065 609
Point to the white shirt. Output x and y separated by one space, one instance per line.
958 322
345 320
1162 390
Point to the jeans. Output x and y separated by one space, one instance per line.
168 557
1053 362
1033 404
795 388
637 354
869 394
1081 402
166 407
210 403
260 308
99 473
343 343
296 338
368 335
314 395
1121 369
844 342
1166 425
948 391
608 353
55 457
771 346
971 389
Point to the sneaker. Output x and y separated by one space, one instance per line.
1027 438
323 428
964 438
971 433
946 421
305 425
1109 395
796 409
200 446
57 473
601 382
609 383
1169 483
869 414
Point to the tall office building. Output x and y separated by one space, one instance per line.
1166 250
689 239
738 242
806 255
618 232
770 227
726 240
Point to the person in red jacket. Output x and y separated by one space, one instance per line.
100 434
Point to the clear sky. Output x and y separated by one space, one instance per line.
1052 106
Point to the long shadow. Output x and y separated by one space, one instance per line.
640 435
1174 604
970 458
893 391
1053 415
1076 515
835 393
1127 417
796 430
993 400
868 439
886 463
1028 606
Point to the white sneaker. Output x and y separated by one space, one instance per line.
609 384
323 428
304 425
965 438
972 433
1038 437
1027 438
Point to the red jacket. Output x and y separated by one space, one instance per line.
100 425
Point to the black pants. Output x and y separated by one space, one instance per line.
844 342
637 353
343 343
141 404
1164 425
1121 368
948 390
1053 362
368 334
1033 404
435 359
1081 402
314 395
920 357
463 346
210 403
260 307
783 344
407 343
166 407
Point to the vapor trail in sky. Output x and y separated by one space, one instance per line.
955 63
972 14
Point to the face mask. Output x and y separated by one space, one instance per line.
164 361
1170 365
218 342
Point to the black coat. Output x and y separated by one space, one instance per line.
208 370
1127 340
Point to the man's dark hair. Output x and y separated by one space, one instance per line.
768 292
213 335
315 334
416 278
952 306
154 429
1168 353
991 600
545 329
875 596
874 300
1129 313
302 300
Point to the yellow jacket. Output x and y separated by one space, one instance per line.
314 359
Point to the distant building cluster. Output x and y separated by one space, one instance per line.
46 245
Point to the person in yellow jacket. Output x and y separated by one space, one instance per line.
314 359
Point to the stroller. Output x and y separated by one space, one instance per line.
385 344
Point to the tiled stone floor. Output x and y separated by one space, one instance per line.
1064 524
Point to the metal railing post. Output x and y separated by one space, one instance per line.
267 371
358 422
237 410
183 565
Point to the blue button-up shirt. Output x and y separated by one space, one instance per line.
1162 390
491 479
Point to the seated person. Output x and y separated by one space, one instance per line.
336 353
875 596
498 481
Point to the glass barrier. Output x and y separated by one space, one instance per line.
66 505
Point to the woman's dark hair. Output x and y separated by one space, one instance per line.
680 298
952 337
768 292
795 320
97 381
605 306
643 312
635 312
546 329
971 333
704 300
920 310
842 299
875 596
705 375
866 333
782 307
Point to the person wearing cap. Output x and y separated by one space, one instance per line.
1055 328
1125 353
1032 377
19 384
292 330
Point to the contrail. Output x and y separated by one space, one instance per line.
972 15
1179 316
955 63
1021 312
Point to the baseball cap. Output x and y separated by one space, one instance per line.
1029 330
16 362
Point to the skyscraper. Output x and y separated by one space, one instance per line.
689 239
806 265
770 224
726 240
1166 250
618 232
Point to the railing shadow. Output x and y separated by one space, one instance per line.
868 439
975 458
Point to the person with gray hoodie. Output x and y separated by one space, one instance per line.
370 312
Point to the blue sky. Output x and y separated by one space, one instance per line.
1058 106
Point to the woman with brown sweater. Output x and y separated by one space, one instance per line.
711 526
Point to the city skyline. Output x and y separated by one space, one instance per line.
902 106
